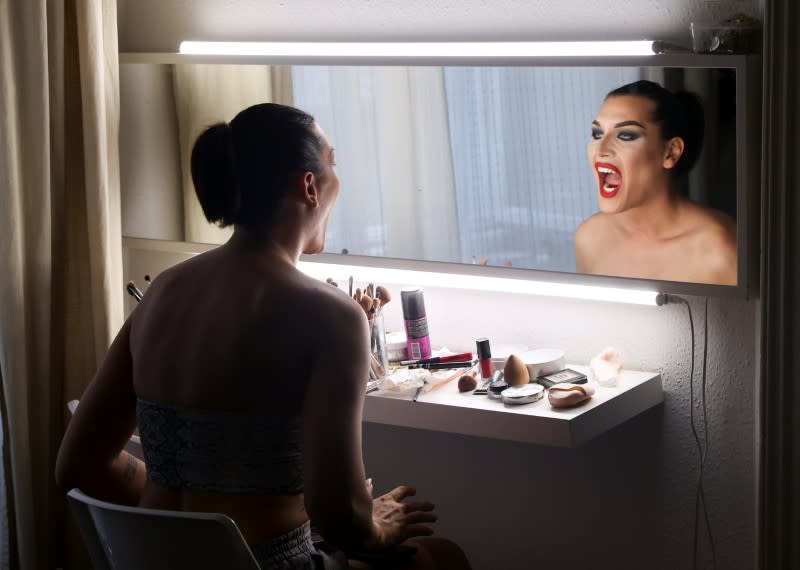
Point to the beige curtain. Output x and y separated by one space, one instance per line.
208 94
61 283
779 477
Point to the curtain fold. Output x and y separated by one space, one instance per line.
99 81
779 493
389 127
60 289
25 254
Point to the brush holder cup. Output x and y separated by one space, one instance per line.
379 361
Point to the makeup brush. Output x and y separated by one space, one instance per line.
366 303
383 294
134 291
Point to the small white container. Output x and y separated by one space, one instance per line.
543 361
396 346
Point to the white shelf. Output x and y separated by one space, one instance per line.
446 409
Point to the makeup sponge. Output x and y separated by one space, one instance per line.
515 372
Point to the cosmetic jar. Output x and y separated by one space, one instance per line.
496 388
543 361
396 346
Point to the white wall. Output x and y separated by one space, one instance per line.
624 500
160 25
152 200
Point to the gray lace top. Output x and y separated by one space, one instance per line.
220 451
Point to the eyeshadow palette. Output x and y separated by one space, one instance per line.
567 375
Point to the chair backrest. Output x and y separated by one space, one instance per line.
133 538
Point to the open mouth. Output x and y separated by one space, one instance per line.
609 179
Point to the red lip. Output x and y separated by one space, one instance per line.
603 192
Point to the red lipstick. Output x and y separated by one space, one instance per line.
609 179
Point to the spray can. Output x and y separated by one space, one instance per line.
418 343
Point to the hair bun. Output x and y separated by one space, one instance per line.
691 107
214 174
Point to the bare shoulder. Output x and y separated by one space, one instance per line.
714 236
589 238
595 226
328 295
333 311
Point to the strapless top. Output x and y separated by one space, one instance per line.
220 451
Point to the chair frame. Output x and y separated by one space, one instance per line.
120 537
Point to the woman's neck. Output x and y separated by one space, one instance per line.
270 246
657 218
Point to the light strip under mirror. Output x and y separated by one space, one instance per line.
365 274
421 49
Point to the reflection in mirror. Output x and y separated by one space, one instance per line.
454 164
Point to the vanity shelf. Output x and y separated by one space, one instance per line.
446 409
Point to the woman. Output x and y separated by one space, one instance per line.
246 378
645 140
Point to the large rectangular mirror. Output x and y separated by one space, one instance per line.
494 165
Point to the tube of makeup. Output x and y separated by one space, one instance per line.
484 357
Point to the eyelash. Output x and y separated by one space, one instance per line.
626 136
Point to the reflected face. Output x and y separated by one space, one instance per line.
627 153
328 191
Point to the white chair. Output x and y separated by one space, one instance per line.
133 538
134 445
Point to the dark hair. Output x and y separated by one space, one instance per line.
241 170
677 115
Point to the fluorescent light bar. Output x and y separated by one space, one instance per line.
420 49
341 273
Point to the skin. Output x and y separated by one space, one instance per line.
229 330
645 229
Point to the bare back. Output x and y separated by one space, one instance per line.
229 331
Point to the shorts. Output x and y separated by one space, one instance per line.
295 550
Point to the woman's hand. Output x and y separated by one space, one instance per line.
396 521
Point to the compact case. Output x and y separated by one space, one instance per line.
524 394
567 375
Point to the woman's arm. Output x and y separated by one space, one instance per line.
336 494
91 455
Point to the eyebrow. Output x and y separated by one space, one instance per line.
625 124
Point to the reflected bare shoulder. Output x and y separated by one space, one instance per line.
588 237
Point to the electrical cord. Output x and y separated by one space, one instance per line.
700 499
701 490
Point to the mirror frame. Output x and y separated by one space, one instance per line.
748 150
